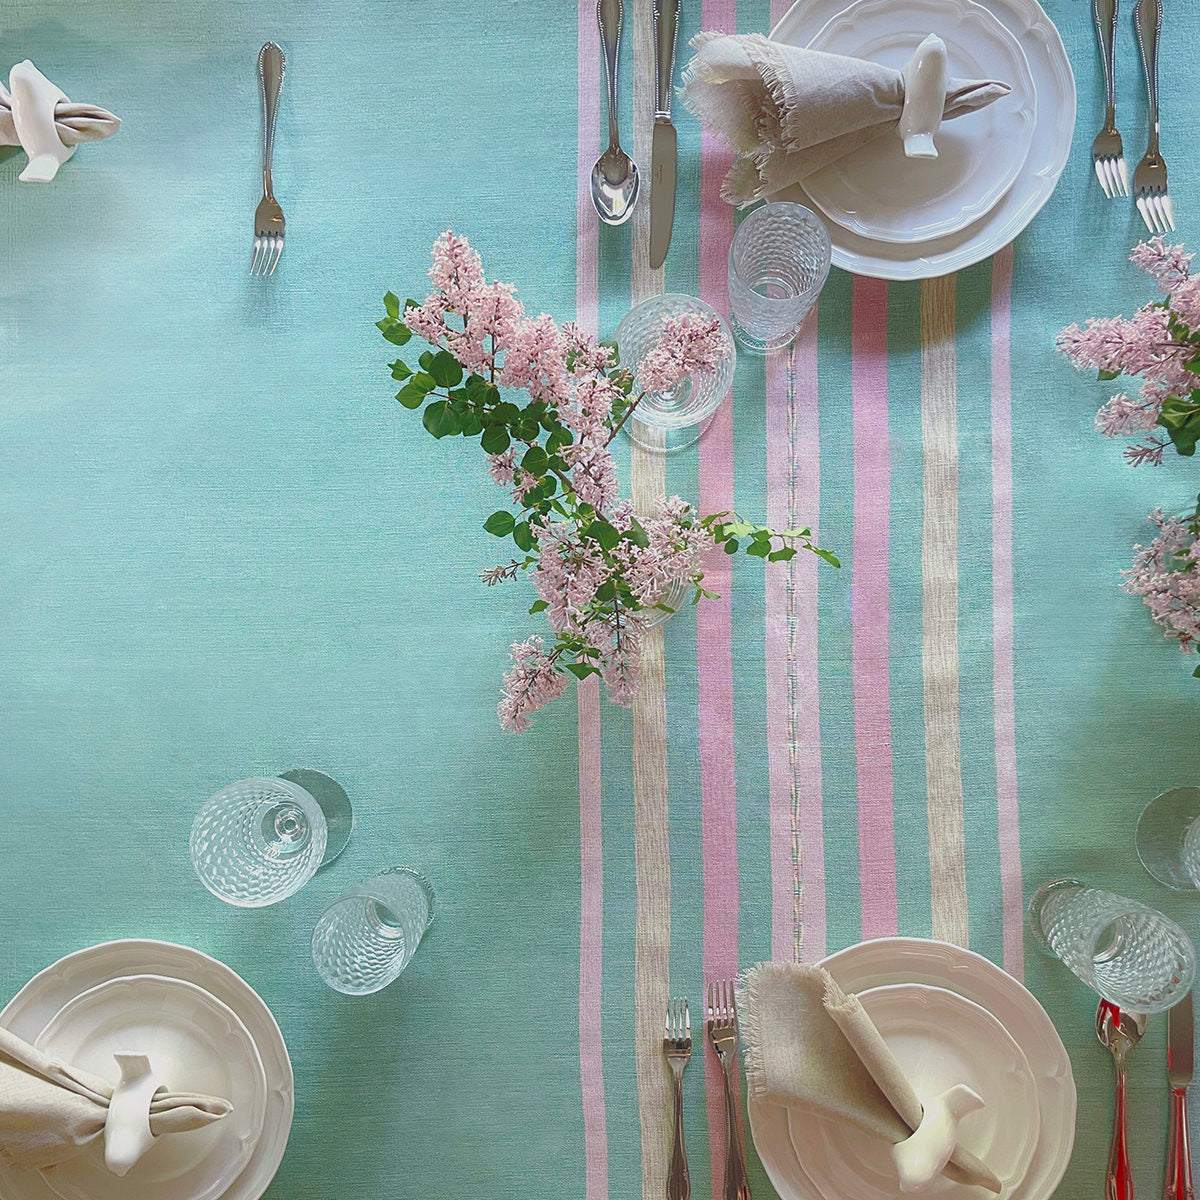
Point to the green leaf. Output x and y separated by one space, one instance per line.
500 523
391 305
758 549
495 439
401 370
782 555
424 381
426 359
439 419
637 534
536 461
395 331
1181 419
445 368
411 396
829 558
731 546
1105 376
538 606
523 536
1193 366
1196 673
582 670
607 590
607 535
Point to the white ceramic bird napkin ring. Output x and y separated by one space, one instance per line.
36 115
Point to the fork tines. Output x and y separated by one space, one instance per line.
722 1008
1157 211
1112 173
268 249
678 1034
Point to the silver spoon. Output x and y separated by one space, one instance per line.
615 179
1119 1031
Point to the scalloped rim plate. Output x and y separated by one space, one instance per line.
940 1038
877 191
1048 150
48 991
939 964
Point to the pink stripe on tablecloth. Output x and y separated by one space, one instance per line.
718 803
591 855
869 600
1003 692
793 699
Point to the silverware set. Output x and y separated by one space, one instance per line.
616 182
1151 196
722 1031
1119 1031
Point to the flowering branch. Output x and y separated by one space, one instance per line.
599 569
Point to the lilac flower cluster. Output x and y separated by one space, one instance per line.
1166 574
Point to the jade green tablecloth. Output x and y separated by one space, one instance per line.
224 551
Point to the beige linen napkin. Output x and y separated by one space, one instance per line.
50 1111
789 111
809 1045
74 123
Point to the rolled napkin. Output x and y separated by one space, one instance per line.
49 1111
37 116
810 1046
789 111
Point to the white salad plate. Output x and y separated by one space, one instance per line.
889 961
194 1044
880 193
939 1038
52 989
1054 123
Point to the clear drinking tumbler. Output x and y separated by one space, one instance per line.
778 264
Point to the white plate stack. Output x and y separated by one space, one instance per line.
949 1016
898 218
204 1029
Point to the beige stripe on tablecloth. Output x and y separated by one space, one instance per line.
651 827
939 564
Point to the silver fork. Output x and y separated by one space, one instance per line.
677 1046
1108 157
268 217
1150 176
723 1033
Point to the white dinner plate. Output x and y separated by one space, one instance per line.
878 191
938 964
29 1011
194 1044
939 1039
1048 149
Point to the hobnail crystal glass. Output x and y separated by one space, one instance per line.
258 841
1168 838
366 938
1130 954
778 263
669 421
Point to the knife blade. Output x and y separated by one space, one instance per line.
663 154
1177 1184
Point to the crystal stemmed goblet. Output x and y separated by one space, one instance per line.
1132 955
667 421
260 840
1168 838
366 937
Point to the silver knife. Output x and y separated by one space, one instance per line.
1178 1182
662 152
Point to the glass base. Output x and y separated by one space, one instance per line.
754 345
657 439
1037 902
333 802
1161 837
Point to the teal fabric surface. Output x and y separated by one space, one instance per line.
224 551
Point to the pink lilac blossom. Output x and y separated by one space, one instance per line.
1143 346
530 683
690 344
1166 574
485 327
